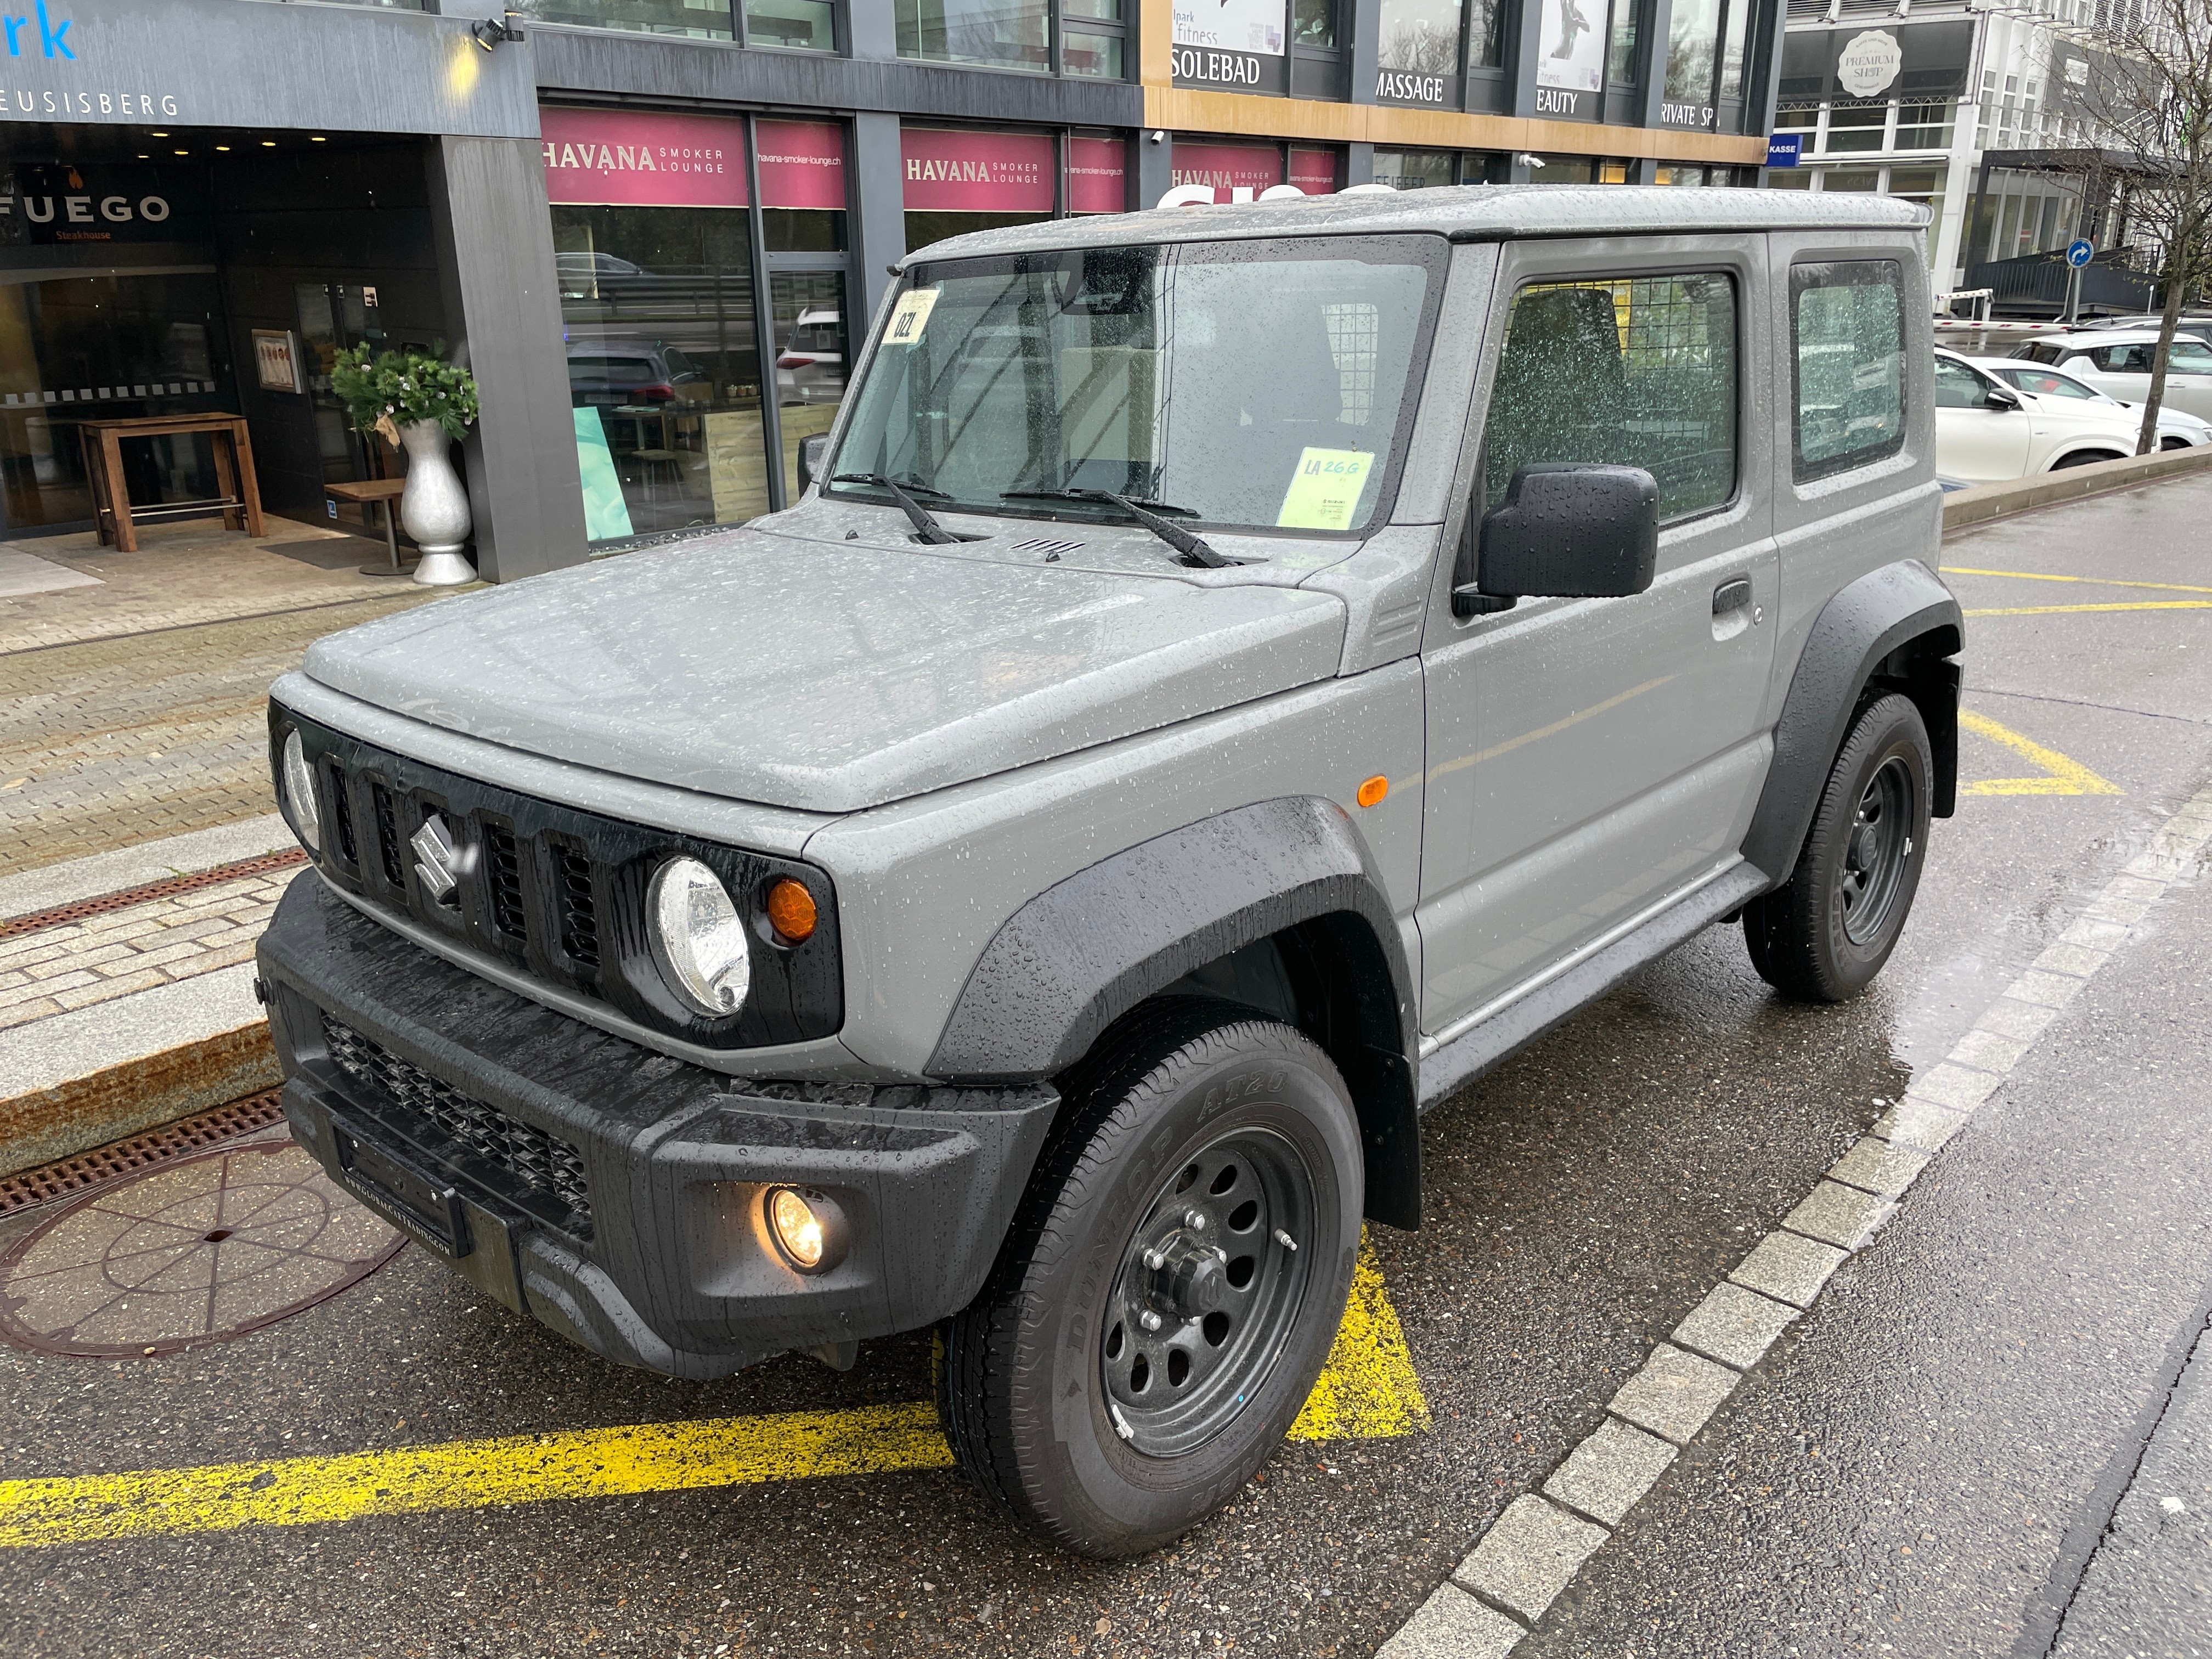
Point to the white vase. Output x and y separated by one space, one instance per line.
434 506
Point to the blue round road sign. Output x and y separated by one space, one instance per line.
2079 253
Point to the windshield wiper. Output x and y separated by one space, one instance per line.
1193 548
924 520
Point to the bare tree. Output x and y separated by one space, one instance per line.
2142 87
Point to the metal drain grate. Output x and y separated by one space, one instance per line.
140 1153
170 888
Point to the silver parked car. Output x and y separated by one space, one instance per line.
1234 676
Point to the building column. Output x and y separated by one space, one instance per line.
1359 162
878 212
1152 174
493 234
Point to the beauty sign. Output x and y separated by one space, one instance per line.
1325 490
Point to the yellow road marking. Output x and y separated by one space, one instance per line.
1368 1391
2098 581
2070 610
2061 776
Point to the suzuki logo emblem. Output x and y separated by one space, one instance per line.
437 860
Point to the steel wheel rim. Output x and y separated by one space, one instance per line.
1239 1208
1876 855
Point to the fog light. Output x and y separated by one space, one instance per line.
808 1228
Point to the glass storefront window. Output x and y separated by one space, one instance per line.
654 239
701 20
1621 49
959 181
1693 44
1420 37
1565 170
801 25
1486 33
1739 21
1410 169
1001 34
1085 53
93 348
1313 23
1925 126
1856 127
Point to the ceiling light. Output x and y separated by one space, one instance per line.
268 143
317 139
223 146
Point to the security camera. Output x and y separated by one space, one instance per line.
1160 137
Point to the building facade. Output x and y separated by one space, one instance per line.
652 228
1960 106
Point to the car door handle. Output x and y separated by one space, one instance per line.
1731 595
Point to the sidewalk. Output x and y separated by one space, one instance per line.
136 827
135 697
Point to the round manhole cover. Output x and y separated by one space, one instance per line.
197 1251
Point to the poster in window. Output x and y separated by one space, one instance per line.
1570 56
1231 25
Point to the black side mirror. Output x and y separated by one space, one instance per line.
2001 396
813 450
1565 530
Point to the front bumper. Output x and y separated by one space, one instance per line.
613 1193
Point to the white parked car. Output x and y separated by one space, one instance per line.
2175 429
1986 432
2118 362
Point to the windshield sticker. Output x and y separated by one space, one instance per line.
1325 490
911 317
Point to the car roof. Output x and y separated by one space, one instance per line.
1462 212
2106 336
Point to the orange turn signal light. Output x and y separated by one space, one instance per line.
1372 791
791 911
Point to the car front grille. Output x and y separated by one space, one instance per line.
468 1131
520 884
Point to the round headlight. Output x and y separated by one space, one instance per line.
701 941
299 792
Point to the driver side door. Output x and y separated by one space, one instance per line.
1976 442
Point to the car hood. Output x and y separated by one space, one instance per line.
829 677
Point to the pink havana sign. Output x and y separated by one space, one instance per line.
977 171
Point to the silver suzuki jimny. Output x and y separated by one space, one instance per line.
1234 674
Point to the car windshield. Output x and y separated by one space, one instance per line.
1254 384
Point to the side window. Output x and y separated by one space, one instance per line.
2123 360
1957 387
1847 333
2189 358
1636 373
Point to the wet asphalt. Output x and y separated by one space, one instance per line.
1981 1387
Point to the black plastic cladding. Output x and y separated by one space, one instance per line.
575 882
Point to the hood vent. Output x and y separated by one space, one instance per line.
1042 544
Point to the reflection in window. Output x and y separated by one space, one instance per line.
1641 373
809 309
1621 49
664 366
1739 20
1313 23
1005 33
1415 169
1420 37
1692 42
801 25
701 20
1486 33
1847 331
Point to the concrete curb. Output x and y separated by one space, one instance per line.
75 880
1962 507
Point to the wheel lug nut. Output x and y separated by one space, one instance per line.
1195 1219
1150 1320
1155 1260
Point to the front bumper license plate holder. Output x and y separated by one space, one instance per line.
428 1209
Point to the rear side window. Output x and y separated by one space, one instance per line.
1635 372
1847 332
2122 359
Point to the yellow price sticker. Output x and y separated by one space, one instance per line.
1325 490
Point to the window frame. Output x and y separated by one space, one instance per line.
1801 471
1738 279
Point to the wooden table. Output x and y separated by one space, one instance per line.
116 520
385 491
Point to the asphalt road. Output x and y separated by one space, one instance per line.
1982 1386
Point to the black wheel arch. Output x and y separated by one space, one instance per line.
1275 905
1897 629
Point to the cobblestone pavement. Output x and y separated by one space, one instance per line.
76 964
135 707
122 739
